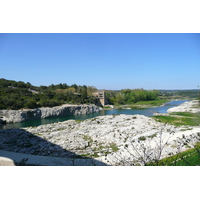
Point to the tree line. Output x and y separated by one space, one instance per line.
128 96
180 93
18 94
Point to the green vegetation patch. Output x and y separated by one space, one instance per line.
114 147
88 138
152 103
178 121
103 150
78 120
186 114
152 136
142 138
107 107
128 96
189 157
143 104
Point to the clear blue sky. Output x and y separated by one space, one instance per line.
106 61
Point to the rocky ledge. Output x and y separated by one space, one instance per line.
111 139
11 116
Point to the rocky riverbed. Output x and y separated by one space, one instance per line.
112 139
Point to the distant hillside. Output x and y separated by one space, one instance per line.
193 93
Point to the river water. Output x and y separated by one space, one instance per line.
146 111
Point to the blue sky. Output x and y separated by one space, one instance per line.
105 60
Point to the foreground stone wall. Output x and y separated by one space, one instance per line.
11 116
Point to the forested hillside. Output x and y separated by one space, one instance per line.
16 95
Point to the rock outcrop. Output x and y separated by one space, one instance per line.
12 116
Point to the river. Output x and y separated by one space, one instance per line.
146 111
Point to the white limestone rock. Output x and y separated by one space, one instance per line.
12 116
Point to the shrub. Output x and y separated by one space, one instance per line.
142 138
152 136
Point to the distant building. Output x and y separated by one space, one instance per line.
101 95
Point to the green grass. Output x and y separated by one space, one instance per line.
143 104
100 149
114 147
186 114
78 121
167 119
189 157
88 138
142 138
152 103
192 160
107 107
179 120
152 136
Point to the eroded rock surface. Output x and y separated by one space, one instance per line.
111 139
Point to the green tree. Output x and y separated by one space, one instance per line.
84 91
21 84
90 90
75 86
31 103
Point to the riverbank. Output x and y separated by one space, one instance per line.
139 105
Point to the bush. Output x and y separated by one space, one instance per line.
142 138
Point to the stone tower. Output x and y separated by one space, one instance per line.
101 95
